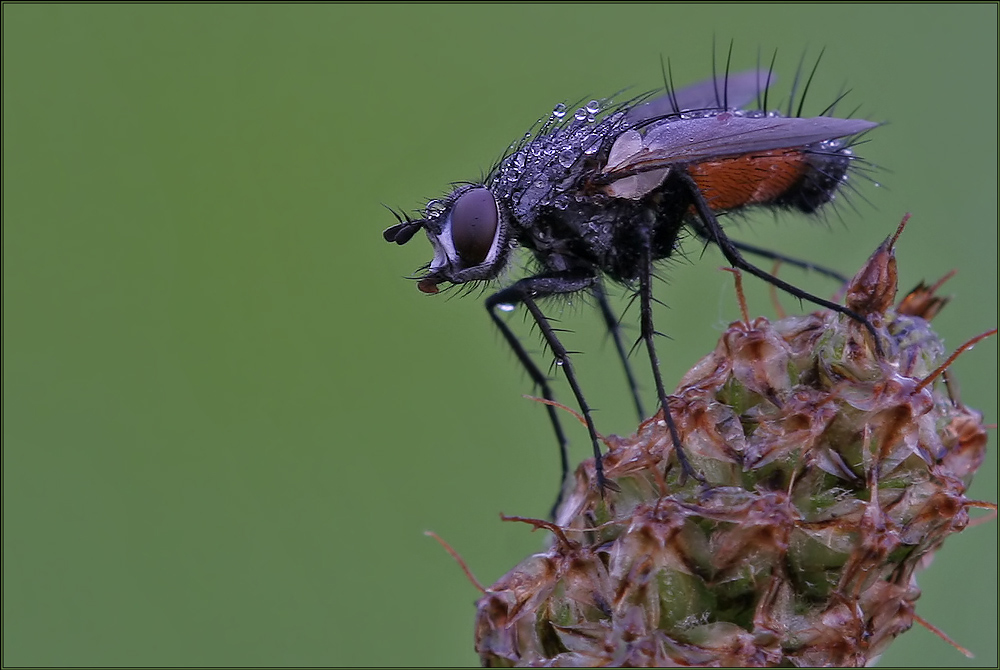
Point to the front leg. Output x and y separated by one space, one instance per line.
526 292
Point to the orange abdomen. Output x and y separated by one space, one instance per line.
752 179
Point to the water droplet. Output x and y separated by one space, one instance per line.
559 111
591 143
519 160
559 362
593 107
434 207
505 307
580 114
567 157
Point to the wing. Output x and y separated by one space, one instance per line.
679 141
736 91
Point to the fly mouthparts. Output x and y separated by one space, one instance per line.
428 285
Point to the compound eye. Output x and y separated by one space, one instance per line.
474 225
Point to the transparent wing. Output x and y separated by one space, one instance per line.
736 91
672 141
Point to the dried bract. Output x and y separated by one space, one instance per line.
832 473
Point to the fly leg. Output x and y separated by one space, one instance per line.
614 329
700 231
648 332
525 292
718 237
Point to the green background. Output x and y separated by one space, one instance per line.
228 418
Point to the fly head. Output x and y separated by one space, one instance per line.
468 231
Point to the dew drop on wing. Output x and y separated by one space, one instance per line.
559 111
580 114
593 107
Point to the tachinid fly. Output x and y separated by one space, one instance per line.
601 193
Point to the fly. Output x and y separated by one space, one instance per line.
603 192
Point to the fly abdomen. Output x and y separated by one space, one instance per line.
826 169
757 178
795 178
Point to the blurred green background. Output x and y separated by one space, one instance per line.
228 418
